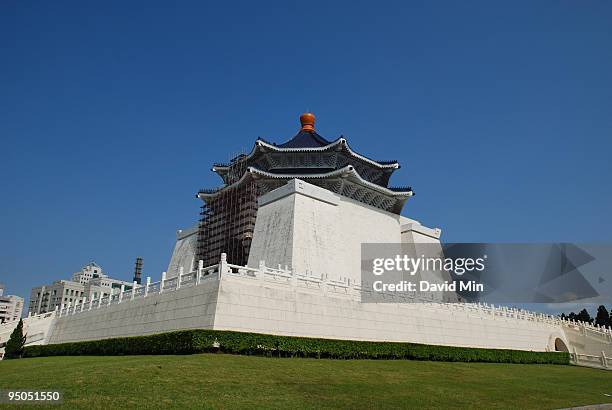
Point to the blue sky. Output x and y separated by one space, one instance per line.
112 114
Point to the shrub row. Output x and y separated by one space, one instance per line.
201 341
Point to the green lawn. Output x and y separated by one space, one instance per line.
226 381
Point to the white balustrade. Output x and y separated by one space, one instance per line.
161 284
324 284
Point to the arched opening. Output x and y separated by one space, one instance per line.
560 346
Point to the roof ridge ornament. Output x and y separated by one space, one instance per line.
307 120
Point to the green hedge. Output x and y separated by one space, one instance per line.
201 341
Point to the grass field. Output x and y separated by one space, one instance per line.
226 381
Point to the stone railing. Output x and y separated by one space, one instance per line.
588 360
322 283
182 280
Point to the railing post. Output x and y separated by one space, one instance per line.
121 290
90 303
178 280
110 297
199 271
294 279
60 311
133 290
604 361
161 284
83 303
147 286
223 264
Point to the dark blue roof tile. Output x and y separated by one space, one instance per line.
305 139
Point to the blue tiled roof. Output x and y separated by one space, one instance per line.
305 139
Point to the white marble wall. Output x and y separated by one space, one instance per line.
274 230
275 302
186 308
252 305
183 254
312 230
37 329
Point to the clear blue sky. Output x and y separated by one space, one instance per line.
111 116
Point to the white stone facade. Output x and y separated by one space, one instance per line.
303 279
272 301
312 230
36 328
183 254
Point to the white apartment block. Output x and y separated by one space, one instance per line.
11 307
47 297
90 282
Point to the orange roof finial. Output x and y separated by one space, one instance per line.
307 120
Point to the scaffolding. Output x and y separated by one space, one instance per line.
228 219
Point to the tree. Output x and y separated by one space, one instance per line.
603 317
14 346
584 316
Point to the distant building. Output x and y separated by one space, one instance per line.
90 282
90 271
11 307
61 292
